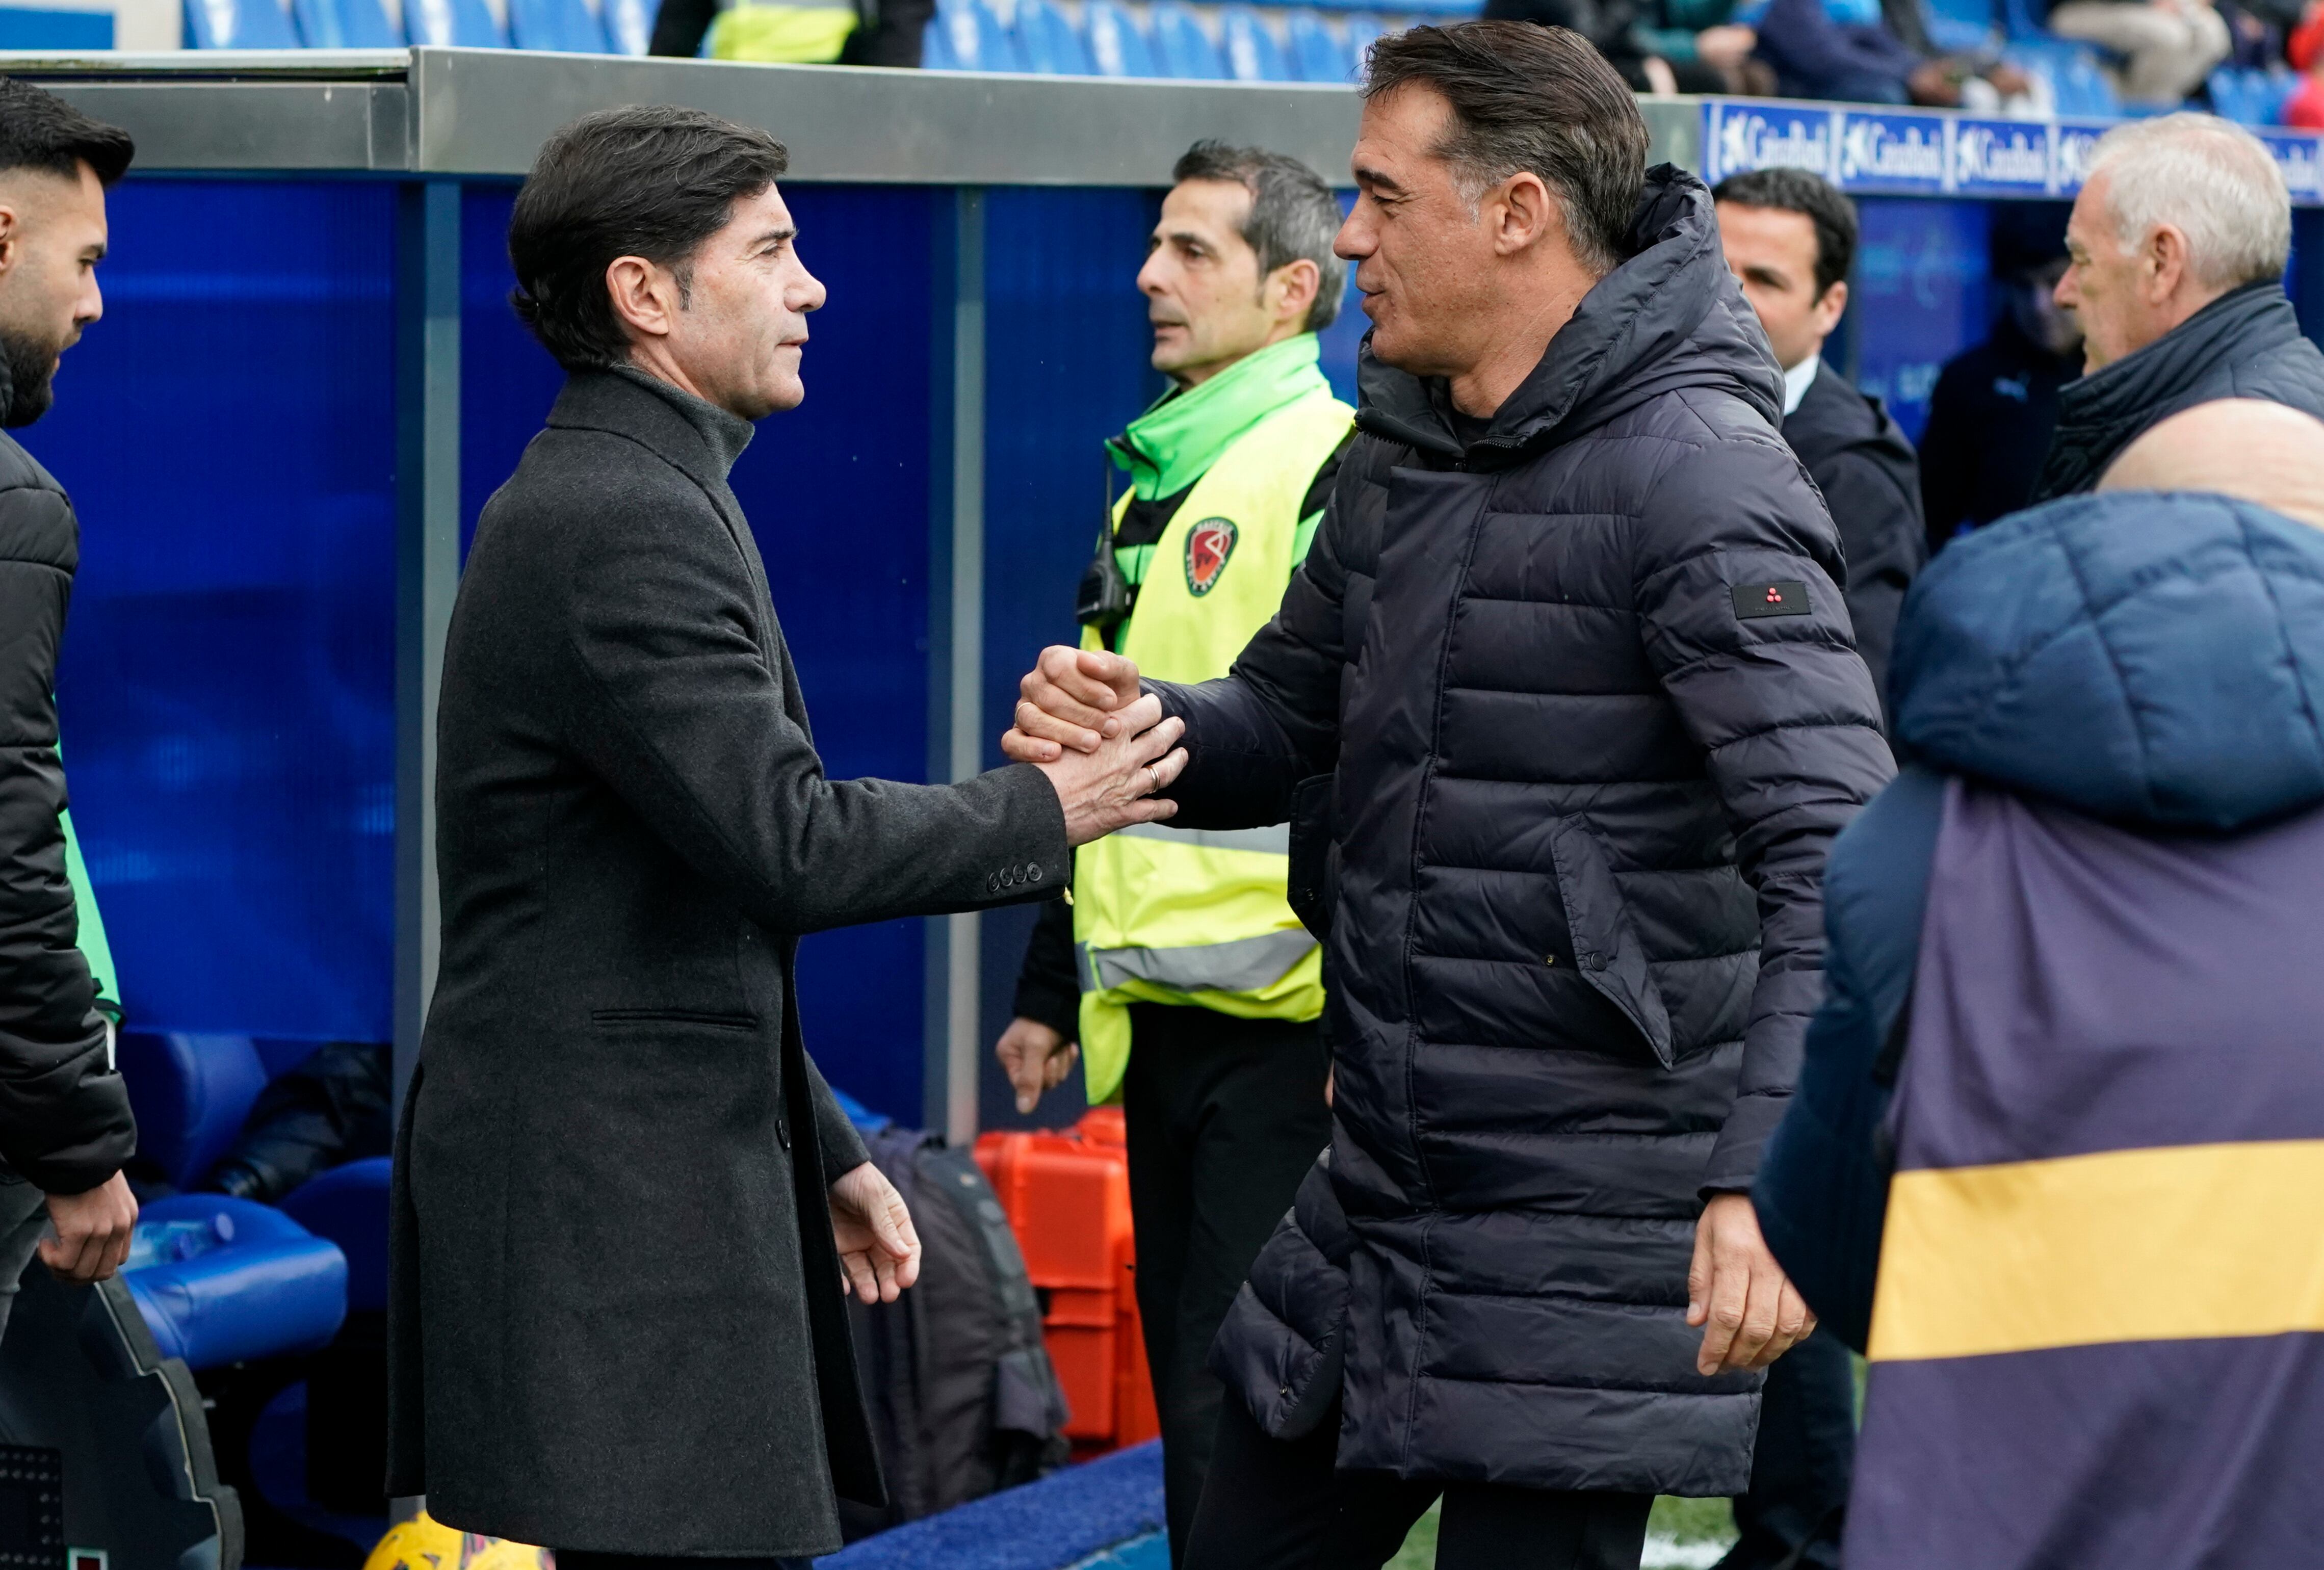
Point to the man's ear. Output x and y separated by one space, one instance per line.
1832 308
12 235
2166 260
1292 288
645 295
1520 213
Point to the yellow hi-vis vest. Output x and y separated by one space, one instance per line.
1196 917
791 32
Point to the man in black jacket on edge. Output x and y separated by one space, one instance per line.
1565 712
2176 253
623 1196
65 1128
1790 238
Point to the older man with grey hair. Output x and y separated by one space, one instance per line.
2177 246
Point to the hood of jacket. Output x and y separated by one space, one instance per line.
2153 658
1671 317
2101 414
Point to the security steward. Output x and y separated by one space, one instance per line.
876 33
1178 969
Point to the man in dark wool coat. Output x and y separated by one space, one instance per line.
1564 710
623 1196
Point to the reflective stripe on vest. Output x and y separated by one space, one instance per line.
1243 965
1273 842
1198 917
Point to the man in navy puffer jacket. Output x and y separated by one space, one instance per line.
2077 941
1567 698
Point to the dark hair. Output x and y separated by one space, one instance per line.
1527 98
39 130
1814 197
654 183
1293 215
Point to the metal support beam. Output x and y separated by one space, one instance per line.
426 574
955 1031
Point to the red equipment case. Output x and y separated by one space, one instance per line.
1068 1197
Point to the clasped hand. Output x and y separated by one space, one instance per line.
1105 746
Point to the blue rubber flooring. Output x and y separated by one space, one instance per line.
1104 1515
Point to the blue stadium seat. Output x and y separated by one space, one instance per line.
256 1284
190 1093
1361 27
629 25
972 40
1049 41
565 26
1253 55
1117 43
2250 98
1317 49
239 24
1959 26
346 1206
1181 48
345 25
452 23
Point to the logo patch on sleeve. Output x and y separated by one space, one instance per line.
1753 600
1208 545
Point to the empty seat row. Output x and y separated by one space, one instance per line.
1167 38
621 27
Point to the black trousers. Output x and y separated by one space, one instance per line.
1275 1504
1793 1517
1224 1118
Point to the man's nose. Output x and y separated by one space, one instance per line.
1353 242
91 305
813 296
1149 276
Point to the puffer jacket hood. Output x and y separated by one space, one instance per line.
1670 317
2152 658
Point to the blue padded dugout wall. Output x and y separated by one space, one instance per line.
226 683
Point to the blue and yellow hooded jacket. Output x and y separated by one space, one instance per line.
2085 1245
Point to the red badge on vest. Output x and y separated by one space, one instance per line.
1208 545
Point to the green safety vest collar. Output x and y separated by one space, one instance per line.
1177 440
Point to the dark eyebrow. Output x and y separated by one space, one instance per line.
1374 176
775 237
1766 275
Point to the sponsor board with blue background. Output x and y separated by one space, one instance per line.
1924 152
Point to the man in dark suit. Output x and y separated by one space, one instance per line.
1790 237
623 1196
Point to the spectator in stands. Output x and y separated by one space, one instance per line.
65 1126
874 32
622 1193
1708 59
2168 46
1196 990
2305 50
1790 237
2076 943
1703 33
1566 707
2178 245
1865 52
1996 406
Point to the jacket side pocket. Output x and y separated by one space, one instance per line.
1310 890
1606 947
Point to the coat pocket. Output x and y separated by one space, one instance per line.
1311 885
704 1018
1606 947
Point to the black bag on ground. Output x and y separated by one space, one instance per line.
961 1396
